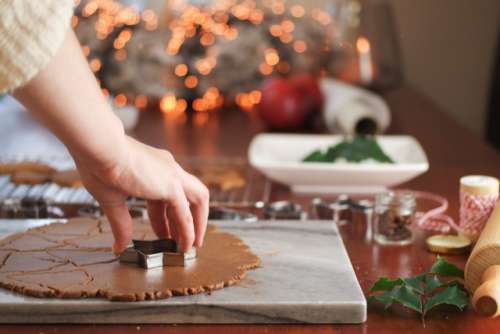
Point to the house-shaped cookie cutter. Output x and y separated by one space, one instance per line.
156 253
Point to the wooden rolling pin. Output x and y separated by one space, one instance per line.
482 271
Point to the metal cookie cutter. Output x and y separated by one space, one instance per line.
284 210
229 214
94 211
156 253
338 210
29 207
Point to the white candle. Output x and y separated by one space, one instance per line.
365 60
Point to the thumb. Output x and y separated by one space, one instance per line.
121 225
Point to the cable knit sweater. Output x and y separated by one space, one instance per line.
31 31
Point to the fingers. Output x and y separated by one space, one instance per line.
172 225
180 218
198 196
121 225
158 217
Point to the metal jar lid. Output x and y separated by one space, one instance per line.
448 244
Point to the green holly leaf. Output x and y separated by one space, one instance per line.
386 284
334 152
406 297
416 283
423 292
432 283
386 298
403 295
370 147
443 268
452 295
356 150
455 282
315 156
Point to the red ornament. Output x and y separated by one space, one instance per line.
288 103
308 86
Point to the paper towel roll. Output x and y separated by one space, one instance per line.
352 110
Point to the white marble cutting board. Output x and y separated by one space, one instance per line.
305 277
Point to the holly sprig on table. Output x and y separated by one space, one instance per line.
442 284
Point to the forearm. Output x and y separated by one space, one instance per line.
66 98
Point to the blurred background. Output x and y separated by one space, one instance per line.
204 55
191 59
450 53
203 78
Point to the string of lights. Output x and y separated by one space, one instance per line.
200 57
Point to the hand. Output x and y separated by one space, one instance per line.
65 97
177 201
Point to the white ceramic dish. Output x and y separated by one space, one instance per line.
278 156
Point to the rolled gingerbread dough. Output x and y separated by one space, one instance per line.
74 260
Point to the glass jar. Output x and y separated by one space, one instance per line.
394 212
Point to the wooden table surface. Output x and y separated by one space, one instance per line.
452 152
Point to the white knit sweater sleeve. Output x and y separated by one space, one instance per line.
31 31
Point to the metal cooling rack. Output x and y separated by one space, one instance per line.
255 193
49 191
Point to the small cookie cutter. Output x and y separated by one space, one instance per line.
150 254
229 214
284 210
338 210
343 209
29 207
94 211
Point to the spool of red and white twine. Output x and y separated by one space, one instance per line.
478 197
